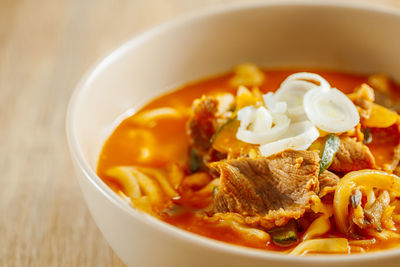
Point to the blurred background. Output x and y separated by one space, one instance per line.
45 47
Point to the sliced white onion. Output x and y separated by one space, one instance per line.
299 136
255 119
246 116
274 105
331 111
255 125
292 91
308 77
262 120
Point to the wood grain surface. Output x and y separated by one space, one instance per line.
45 47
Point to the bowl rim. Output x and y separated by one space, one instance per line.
222 247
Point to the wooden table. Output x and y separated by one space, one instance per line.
45 46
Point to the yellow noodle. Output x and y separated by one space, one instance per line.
175 175
127 179
387 220
323 245
196 180
234 221
247 74
250 232
167 188
356 249
148 186
370 198
149 117
135 182
362 243
147 143
318 227
384 234
318 207
347 185
124 197
396 218
396 204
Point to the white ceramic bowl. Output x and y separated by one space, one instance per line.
348 37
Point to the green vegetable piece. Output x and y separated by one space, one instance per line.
220 128
286 235
194 160
331 146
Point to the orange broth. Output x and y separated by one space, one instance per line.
172 145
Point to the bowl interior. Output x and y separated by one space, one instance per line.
348 39
281 34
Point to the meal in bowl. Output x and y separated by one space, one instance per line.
282 160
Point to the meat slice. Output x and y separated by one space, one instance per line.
352 156
202 124
208 114
270 190
363 97
327 183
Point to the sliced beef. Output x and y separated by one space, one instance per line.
270 190
352 156
203 123
363 97
327 183
208 114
